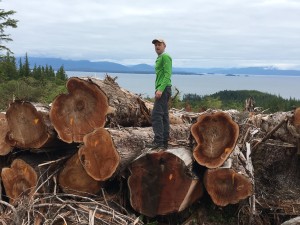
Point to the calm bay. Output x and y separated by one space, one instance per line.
285 86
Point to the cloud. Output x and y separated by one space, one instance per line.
199 33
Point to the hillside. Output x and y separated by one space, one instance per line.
104 66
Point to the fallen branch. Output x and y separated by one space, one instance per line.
269 134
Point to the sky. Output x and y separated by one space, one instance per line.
198 33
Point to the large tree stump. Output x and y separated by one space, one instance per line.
5 148
161 182
216 135
78 113
28 127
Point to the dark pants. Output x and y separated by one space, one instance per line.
160 118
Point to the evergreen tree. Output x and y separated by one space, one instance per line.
8 67
51 73
21 69
5 22
26 67
61 74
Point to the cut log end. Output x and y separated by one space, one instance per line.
5 148
296 120
225 186
159 184
98 155
73 179
216 135
81 111
19 180
27 128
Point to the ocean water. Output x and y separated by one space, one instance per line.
143 84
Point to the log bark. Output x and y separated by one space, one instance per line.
162 183
294 221
267 122
130 142
174 116
28 127
108 152
79 112
277 180
126 108
216 135
296 120
5 148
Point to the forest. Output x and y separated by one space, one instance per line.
37 84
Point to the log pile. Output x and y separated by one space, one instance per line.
96 134
216 135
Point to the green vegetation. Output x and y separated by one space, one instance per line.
40 84
5 22
236 100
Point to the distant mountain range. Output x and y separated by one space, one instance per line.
110 67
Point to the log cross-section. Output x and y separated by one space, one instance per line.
27 127
73 179
19 180
80 111
216 135
296 120
5 148
160 184
98 155
225 186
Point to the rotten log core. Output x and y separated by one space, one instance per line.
73 179
19 180
27 126
225 186
160 184
81 111
98 155
216 135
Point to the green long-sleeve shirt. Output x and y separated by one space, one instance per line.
163 70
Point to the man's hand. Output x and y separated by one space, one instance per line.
158 94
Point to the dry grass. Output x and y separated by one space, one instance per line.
64 209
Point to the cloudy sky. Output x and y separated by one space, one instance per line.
199 33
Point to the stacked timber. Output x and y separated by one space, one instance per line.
216 135
98 132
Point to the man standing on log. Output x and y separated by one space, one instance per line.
160 112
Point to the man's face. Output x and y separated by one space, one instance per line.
159 47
